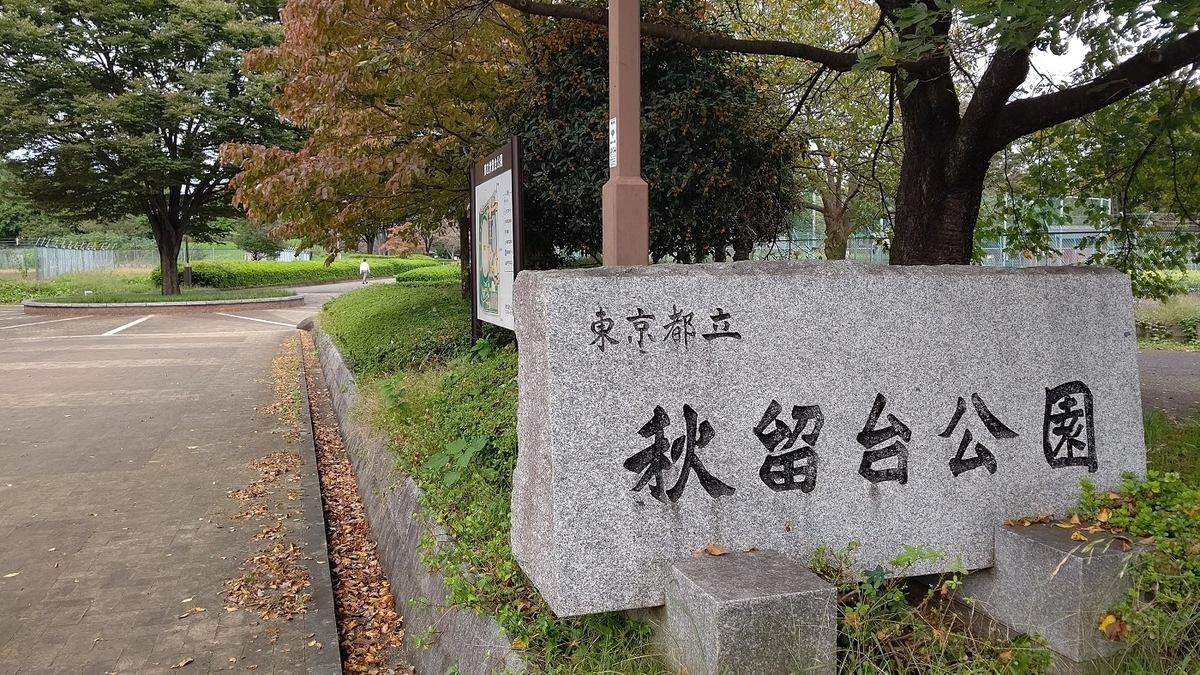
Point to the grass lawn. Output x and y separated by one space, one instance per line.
112 282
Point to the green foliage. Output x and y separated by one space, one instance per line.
244 273
887 624
453 424
439 274
257 240
1141 156
720 172
112 107
389 328
1162 612
456 458
1174 319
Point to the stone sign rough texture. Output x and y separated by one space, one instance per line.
787 405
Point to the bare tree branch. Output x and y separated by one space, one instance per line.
840 61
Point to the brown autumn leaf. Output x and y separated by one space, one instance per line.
1194 548
371 630
1074 519
1005 656
1104 515
1078 536
1065 524
714 549
180 664
1116 629
1042 518
1146 540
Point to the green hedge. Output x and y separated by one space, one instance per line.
390 327
440 274
243 273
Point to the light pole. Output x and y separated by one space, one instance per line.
625 202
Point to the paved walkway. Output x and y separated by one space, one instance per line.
1170 381
120 439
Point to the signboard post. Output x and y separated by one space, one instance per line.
495 236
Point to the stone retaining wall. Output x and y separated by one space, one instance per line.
436 637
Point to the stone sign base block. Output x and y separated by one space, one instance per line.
757 613
1045 583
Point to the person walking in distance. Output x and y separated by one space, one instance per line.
364 269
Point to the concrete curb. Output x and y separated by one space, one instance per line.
437 636
323 620
134 308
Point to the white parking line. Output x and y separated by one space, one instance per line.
38 323
131 324
250 318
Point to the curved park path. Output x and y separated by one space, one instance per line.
120 441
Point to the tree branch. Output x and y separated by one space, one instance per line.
1005 72
840 61
1025 116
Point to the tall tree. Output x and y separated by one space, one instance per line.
111 107
397 105
928 48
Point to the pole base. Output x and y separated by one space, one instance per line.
626 212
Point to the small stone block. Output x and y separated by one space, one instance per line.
1048 584
757 613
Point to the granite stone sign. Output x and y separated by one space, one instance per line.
787 405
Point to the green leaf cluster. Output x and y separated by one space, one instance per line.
1163 608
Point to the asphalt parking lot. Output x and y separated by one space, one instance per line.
120 440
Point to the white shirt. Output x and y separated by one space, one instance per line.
364 267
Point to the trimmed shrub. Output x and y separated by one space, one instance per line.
440 274
243 273
389 328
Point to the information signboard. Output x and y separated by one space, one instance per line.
495 234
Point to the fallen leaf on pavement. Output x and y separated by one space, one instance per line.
1078 536
180 664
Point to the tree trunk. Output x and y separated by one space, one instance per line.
838 225
168 261
935 211
935 218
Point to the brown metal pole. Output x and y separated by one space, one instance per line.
626 197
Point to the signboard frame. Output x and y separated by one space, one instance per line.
504 160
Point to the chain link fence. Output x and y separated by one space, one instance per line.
47 258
